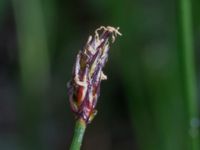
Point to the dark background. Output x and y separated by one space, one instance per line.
151 98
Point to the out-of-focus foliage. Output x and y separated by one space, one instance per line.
143 104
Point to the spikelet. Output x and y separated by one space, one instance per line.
84 87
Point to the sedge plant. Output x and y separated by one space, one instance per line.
84 87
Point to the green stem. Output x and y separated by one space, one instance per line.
188 67
78 135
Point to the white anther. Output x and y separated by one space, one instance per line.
103 76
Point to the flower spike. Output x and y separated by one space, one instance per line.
84 87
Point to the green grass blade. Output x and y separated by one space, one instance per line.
186 47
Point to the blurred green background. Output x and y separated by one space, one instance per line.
150 100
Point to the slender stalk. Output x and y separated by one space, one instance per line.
78 134
188 68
